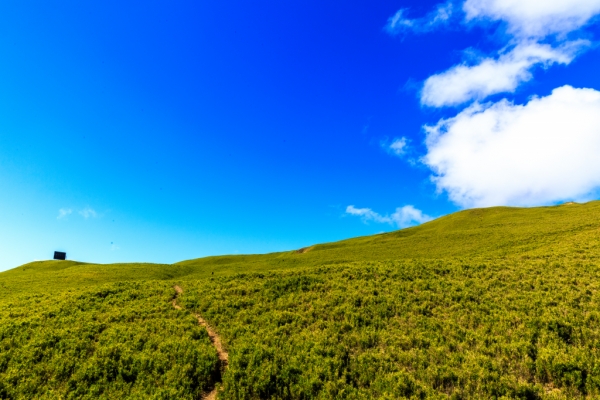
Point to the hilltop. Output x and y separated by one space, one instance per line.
478 304
567 230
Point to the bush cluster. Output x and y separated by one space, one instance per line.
445 329
114 341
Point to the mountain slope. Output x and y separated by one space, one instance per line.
486 303
563 230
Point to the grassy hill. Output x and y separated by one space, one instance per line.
485 303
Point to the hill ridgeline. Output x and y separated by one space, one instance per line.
485 303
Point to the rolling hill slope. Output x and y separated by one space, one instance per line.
484 303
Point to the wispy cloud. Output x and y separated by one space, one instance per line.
463 83
398 146
402 217
399 23
367 214
535 35
63 212
534 18
88 212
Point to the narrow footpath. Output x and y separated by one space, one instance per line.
214 338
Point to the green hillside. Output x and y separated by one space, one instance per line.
485 303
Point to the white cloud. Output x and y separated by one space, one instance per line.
534 18
88 212
528 23
464 83
397 147
367 214
442 14
63 212
541 152
402 217
409 215
398 23
525 19
505 154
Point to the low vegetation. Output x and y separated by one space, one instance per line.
490 303
447 329
113 341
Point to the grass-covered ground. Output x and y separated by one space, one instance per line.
124 339
488 303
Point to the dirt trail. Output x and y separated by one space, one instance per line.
214 338
179 291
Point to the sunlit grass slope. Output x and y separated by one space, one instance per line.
486 303
565 230
113 341
491 232
56 276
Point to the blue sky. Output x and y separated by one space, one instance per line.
152 131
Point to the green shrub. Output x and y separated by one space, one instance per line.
115 341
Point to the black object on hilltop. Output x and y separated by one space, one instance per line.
59 255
